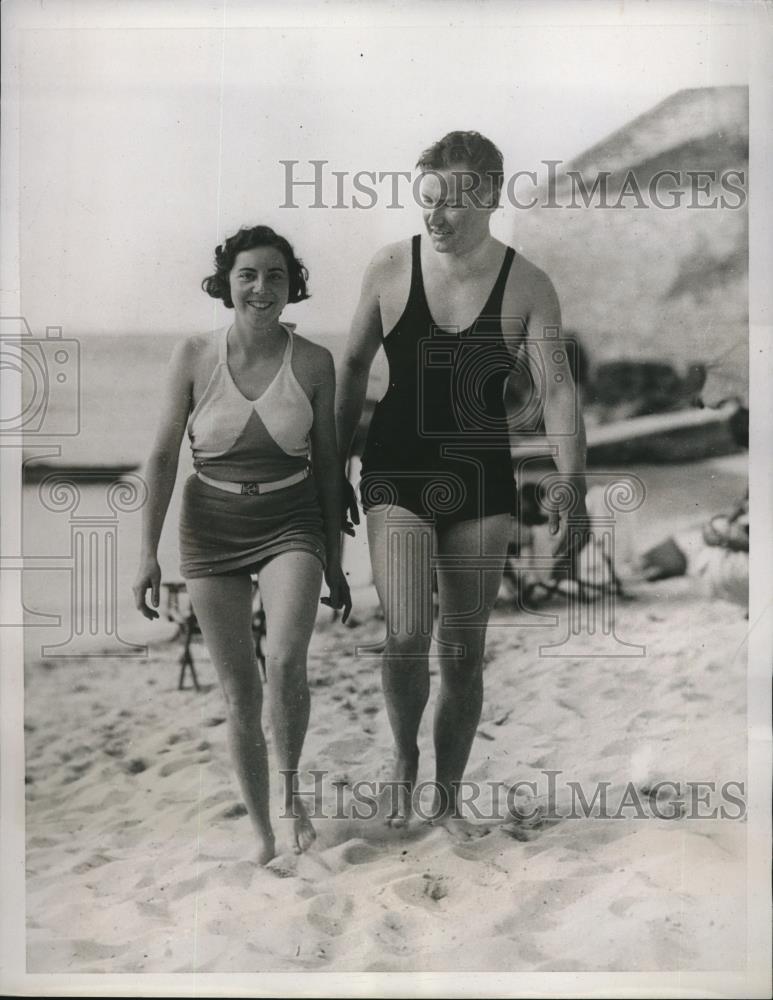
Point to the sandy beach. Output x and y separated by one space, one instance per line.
139 849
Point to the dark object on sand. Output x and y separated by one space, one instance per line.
683 435
663 561
188 627
35 472
530 509
729 531
640 388
739 427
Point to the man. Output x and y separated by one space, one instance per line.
437 477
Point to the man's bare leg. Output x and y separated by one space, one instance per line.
466 597
400 549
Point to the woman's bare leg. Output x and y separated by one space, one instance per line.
290 585
223 606
400 552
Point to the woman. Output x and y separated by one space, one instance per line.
257 400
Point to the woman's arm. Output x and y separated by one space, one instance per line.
161 471
324 462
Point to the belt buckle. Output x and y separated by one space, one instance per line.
250 489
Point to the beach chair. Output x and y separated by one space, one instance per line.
179 610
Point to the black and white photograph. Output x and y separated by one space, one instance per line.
385 421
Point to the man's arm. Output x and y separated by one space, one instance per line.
364 341
550 367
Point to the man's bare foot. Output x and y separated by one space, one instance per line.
304 833
445 813
400 792
460 828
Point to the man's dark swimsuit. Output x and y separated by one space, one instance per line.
438 441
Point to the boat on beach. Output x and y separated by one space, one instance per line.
36 472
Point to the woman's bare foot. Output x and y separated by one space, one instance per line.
400 794
266 849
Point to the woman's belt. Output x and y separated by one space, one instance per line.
252 489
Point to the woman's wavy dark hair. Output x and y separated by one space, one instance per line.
247 238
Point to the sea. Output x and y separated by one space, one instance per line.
80 545
115 399
106 414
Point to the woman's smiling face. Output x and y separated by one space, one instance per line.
260 285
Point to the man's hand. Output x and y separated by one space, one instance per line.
572 535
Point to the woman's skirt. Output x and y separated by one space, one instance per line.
223 532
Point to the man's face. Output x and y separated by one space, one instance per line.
457 206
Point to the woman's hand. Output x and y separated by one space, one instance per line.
339 596
148 576
351 512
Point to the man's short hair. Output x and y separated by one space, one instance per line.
470 150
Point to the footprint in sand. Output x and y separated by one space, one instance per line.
136 766
529 825
240 874
236 811
347 751
95 861
177 765
190 886
424 891
216 720
476 850
351 852
158 911
216 799
76 772
358 853
283 866
541 762
184 734
620 906
329 913
563 965
42 842
124 824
